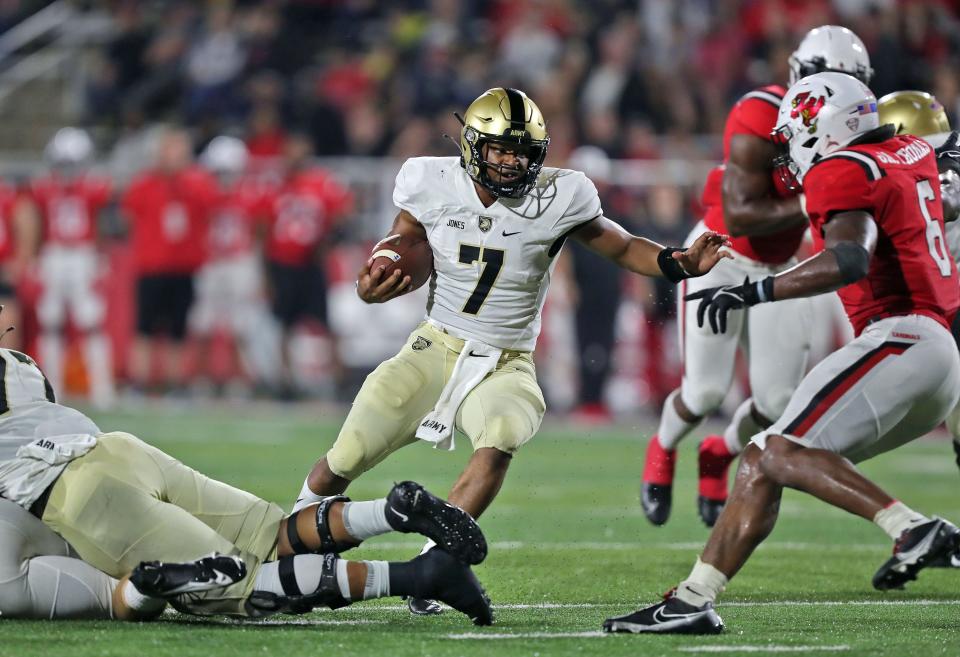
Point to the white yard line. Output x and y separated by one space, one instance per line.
527 635
624 545
322 621
767 648
720 605
499 636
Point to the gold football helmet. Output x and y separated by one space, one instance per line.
914 113
509 117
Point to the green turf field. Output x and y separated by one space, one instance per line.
569 547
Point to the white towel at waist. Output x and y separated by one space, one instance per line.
476 360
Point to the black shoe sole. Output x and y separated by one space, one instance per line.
453 583
945 542
709 510
164 580
659 513
424 607
704 624
412 508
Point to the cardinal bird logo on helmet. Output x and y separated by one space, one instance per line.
807 108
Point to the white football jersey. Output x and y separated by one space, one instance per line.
492 265
38 437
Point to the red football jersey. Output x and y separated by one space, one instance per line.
301 212
69 207
232 219
754 114
896 181
169 215
8 200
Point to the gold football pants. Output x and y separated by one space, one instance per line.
504 411
125 502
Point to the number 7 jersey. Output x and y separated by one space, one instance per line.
896 181
492 264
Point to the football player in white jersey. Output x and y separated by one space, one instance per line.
102 525
495 219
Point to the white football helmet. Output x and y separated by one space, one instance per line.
830 48
69 147
819 115
225 155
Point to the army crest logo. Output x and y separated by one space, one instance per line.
486 223
421 343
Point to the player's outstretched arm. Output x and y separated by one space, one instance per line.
372 286
642 256
850 239
750 205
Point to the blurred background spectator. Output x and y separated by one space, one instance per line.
642 85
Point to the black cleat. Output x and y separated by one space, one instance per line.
424 607
956 450
442 577
946 560
916 549
671 616
656 501
157 579
412 508
709 509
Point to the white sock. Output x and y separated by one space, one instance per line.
897 518
742 428
306 570
51 360
378 580
99 363
307 497
702 586
343 579
138 601
673 427
364 520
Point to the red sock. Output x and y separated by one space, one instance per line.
660 464
714 460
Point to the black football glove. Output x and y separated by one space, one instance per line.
719 301
948 155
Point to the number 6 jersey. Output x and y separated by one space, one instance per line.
896 181
492 264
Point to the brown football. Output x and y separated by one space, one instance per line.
413 257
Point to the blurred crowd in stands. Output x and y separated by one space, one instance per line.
208 240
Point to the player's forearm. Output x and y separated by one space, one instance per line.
816 275
762 216
639 255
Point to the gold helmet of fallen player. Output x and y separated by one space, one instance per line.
914 113
508 117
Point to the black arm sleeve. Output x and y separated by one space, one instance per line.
853 260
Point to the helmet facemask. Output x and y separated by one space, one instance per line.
820 115
783 166
501 185
507 119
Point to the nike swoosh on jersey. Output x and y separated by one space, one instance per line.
479 355
506 234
